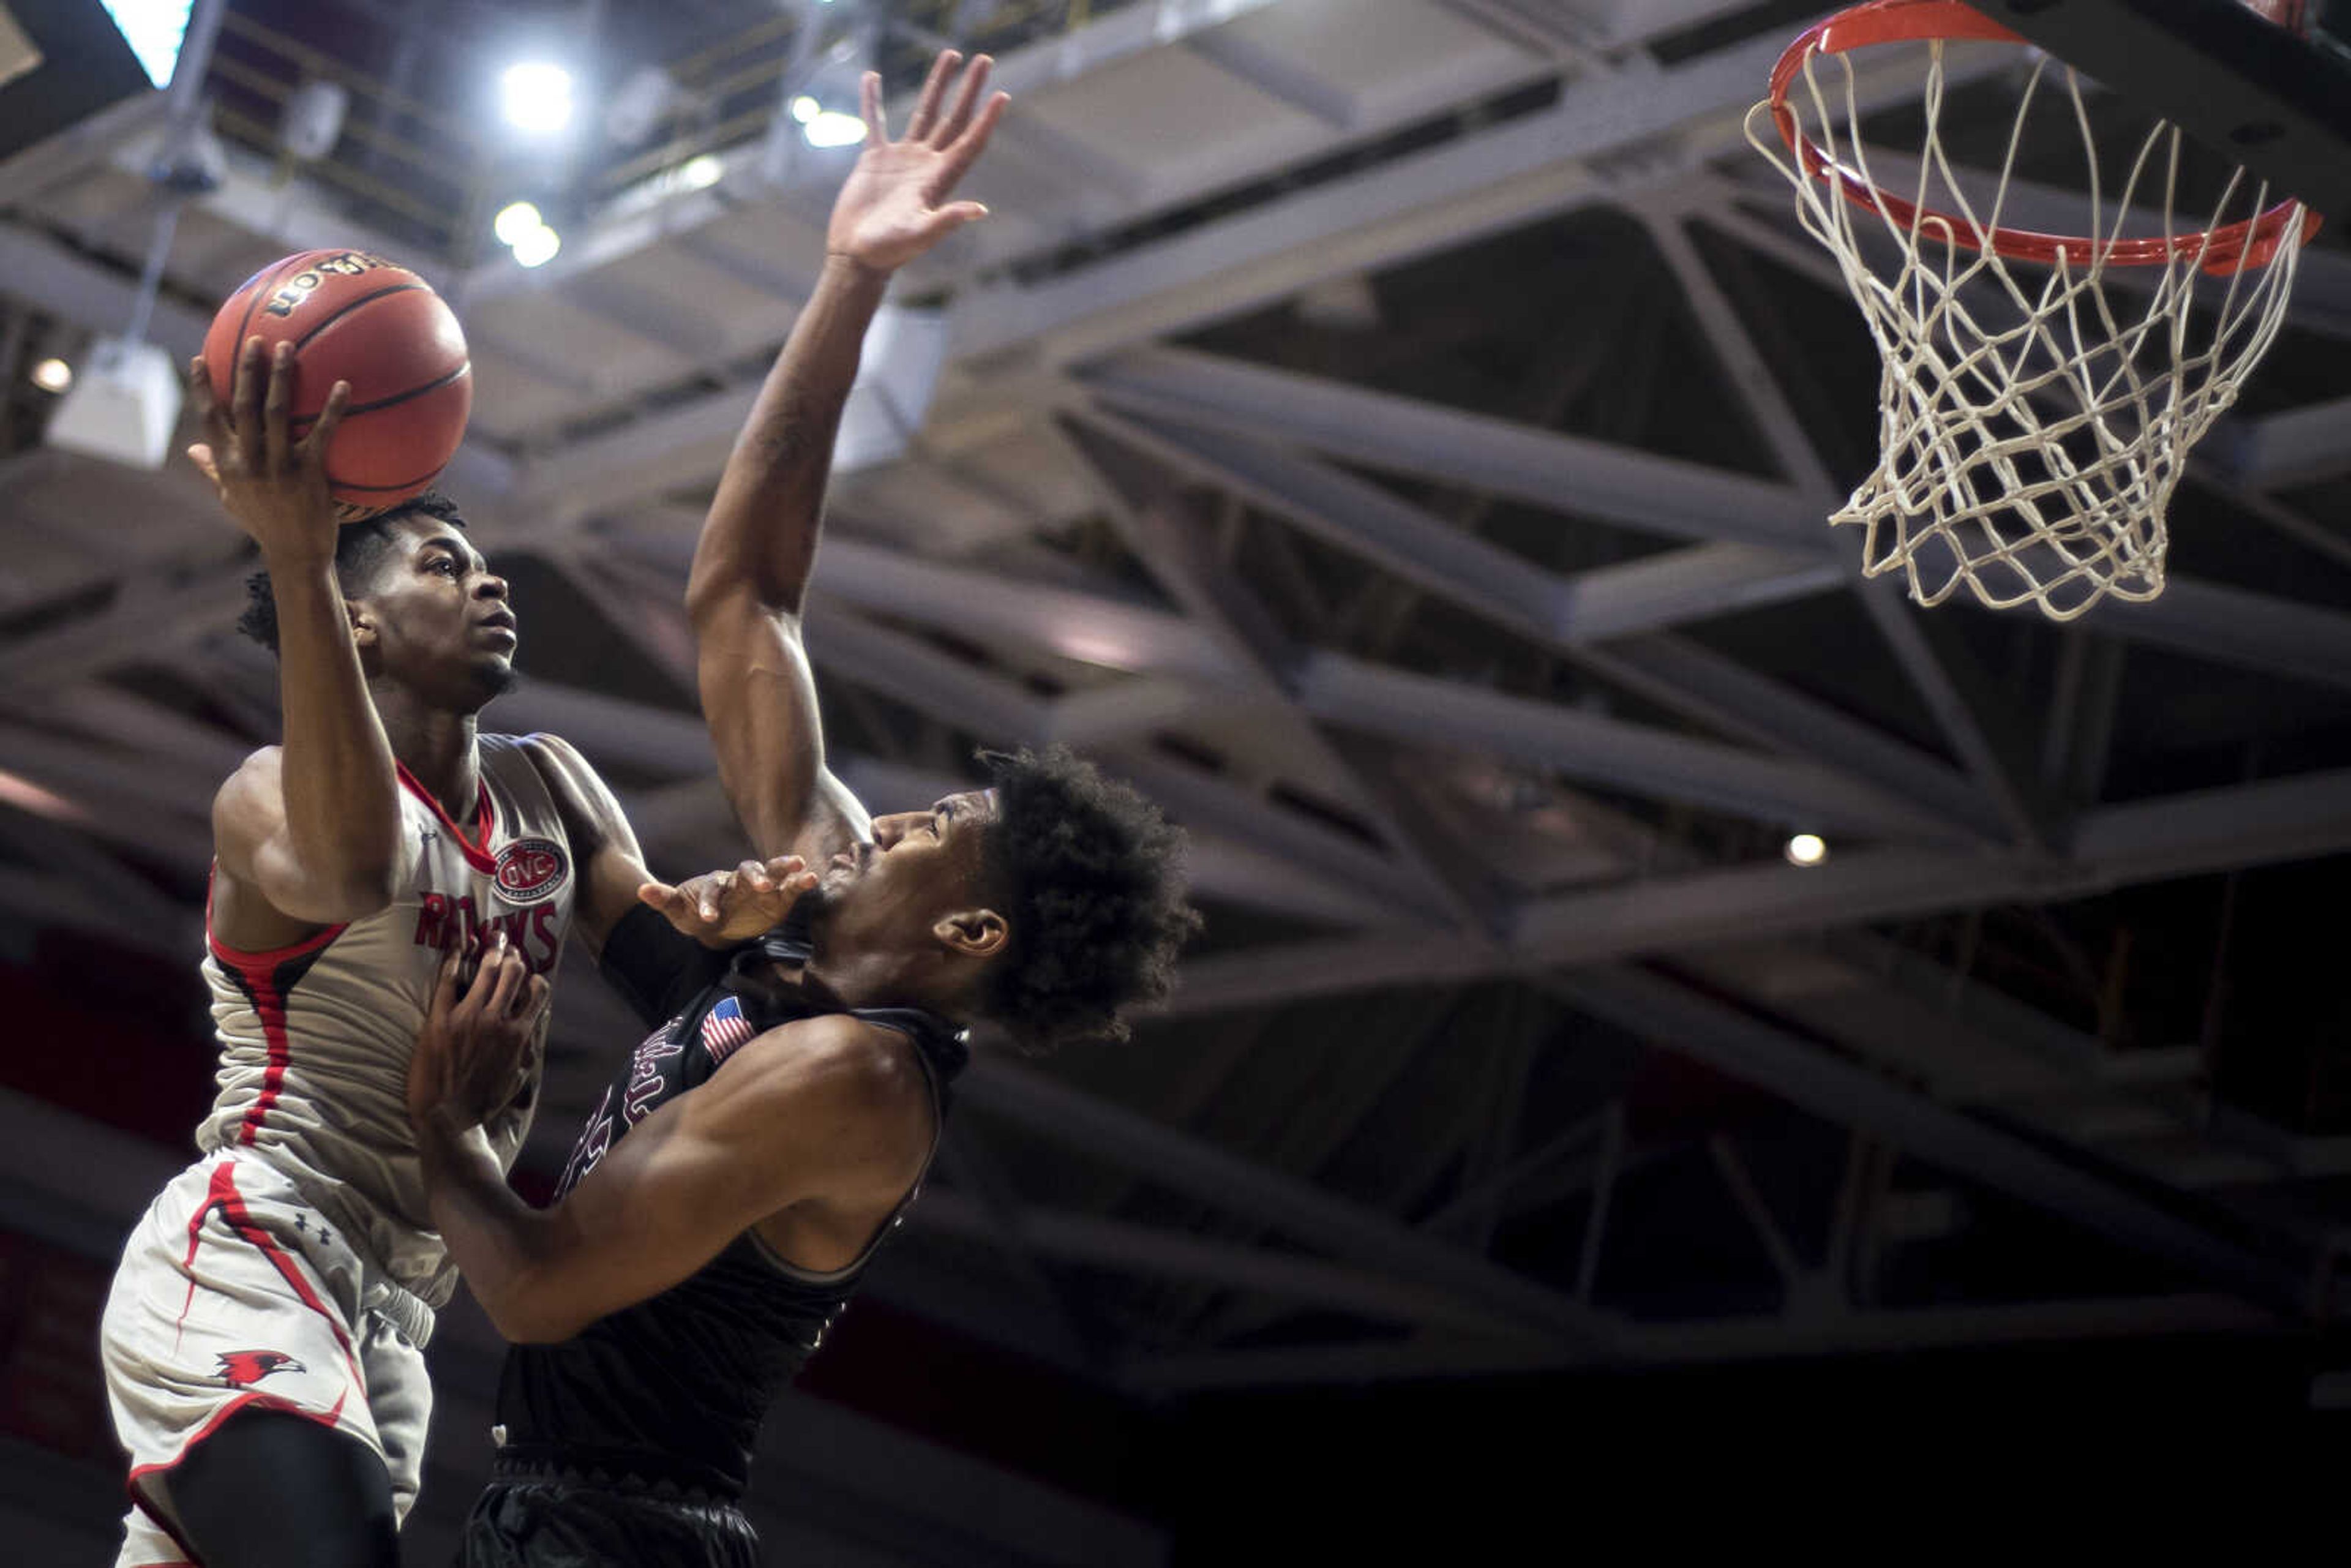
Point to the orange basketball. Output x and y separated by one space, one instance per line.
354 316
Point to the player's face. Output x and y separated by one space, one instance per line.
922 867
443 624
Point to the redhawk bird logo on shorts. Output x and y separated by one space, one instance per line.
244 1368
531 868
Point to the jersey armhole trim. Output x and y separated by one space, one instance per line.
250 959
897 1216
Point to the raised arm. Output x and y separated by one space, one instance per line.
307 833
829 1110
751 566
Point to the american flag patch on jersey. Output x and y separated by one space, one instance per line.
724 1029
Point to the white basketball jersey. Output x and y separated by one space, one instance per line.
316 1038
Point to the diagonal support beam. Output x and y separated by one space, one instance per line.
1140 1249
1541 468
1733 1042
1422 710
1109 1132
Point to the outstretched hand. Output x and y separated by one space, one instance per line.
896 205
273 484
721 908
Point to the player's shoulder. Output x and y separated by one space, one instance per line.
253 784
551 750
565 770
850 1063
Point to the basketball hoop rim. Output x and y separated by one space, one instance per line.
2250 243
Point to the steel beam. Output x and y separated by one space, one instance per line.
2261 631
1422 711
1081 1121
2114 847
1125 1248
2295 447
1678 673
1543 468
1733 1042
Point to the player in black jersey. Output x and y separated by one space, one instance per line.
728 1192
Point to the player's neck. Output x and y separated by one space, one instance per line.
867 979
435 746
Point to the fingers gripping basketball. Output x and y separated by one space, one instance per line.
352 316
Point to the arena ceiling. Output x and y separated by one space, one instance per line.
1395 434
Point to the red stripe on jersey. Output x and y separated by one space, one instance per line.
477 850
263 977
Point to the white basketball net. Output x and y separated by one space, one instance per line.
2034 418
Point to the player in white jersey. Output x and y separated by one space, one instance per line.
262 1341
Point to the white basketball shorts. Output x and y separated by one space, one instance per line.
234 1293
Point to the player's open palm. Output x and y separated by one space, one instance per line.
898 202
475 1049
272 484
721 908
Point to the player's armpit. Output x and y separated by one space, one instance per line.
600 840
256 855
829 1109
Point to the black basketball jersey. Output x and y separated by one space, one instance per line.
675 1387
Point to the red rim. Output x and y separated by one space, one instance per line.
2252 242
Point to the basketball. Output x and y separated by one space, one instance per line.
355 317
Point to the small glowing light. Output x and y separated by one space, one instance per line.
1807 849
834 129
537 247
537 97
154 29
701 173
53 375
27 796
1093 648
515 220
805 109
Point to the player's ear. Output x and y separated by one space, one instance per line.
975 932
363 626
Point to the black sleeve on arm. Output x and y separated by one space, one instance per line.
656 968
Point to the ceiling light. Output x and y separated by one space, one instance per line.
26 796
805 109
1806 849
53 375
537 97
834 129
154 29
537 247
702 172
515 220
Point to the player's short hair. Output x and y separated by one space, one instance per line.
359 548
1094 878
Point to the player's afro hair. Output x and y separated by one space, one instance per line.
359 548
1095 877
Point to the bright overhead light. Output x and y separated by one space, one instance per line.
805 109
515 220
701 172
537 247
537 97
1806 848
154 29
53 375
834 129
27 796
